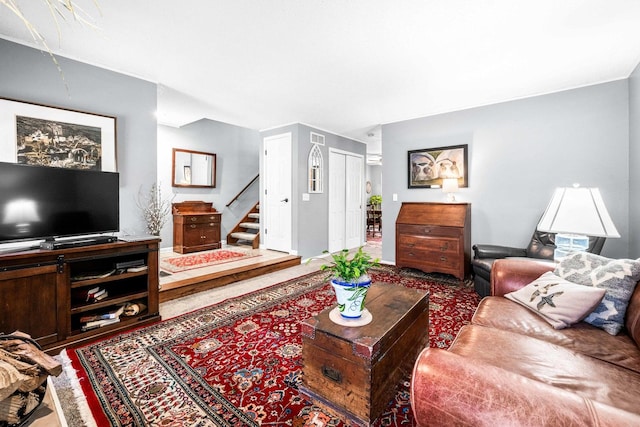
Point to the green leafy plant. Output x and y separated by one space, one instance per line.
375 200
350 270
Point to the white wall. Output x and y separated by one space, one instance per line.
519 152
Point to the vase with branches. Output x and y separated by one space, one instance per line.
155 210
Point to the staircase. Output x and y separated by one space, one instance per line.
247 231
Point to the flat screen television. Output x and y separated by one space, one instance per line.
39 202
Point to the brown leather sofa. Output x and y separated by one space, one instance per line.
510 367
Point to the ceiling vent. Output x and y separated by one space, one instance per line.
316 138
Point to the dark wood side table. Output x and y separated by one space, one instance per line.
196 227
354 371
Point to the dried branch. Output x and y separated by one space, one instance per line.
155 210
57 9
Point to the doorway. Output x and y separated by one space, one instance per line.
276 195
346 189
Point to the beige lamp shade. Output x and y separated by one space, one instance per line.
450 186
579 211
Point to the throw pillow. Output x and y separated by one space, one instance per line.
617 276
559 302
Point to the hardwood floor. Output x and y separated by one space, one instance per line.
189 282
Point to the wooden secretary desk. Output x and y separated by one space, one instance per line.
196 227
435 237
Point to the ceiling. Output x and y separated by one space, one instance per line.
345 66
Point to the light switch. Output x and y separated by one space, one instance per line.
395 197
305 197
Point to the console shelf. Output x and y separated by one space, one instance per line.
108 302
42 293
111 278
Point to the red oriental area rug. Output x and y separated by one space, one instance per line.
204 259
238 362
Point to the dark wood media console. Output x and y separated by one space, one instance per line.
43 292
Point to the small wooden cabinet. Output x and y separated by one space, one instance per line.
196 227
435 237
39 290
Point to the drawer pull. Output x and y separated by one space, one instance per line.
332 374
193 226
444 247
193 218
443 258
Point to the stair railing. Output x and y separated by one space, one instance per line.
243 190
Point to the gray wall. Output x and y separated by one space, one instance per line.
237 153
310 226
29 75
519 152
374 175
634 160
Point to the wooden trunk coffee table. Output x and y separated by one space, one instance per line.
354 371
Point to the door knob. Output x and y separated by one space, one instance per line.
286 200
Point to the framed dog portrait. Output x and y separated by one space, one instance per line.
429 166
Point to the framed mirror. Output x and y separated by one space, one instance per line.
193 169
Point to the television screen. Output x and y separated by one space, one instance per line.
39 202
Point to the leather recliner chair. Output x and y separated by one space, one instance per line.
541 247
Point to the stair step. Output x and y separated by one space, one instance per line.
254 215
250 225
244 236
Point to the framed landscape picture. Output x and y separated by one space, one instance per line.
35 134
429 166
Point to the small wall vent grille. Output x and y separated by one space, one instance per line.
317 138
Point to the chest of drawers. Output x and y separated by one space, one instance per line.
196 227
435 237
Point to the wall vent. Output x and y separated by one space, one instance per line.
316 138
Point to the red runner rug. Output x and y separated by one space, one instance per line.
204 259
238 362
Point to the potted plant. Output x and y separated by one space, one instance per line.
375 201
350 280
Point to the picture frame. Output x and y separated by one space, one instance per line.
44 135
429 166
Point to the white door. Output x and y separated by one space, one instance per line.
346 220
276 201
353 201
337 208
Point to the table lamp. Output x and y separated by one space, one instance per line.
450 186
574 214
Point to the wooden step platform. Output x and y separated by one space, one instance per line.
198 283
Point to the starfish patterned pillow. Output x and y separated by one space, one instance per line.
617 276
558 301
